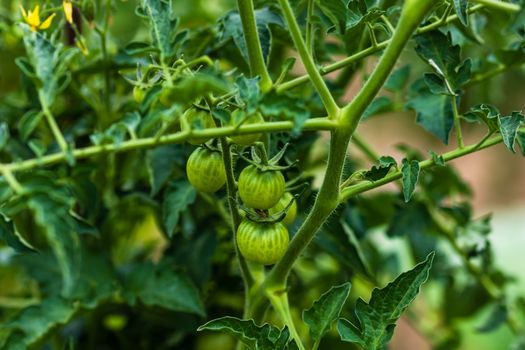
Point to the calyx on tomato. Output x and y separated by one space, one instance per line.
261 184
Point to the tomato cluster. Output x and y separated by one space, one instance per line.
262 236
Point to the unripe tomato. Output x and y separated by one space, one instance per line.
205 170
194 116
247 139
283 202
260 189
138 94
263 243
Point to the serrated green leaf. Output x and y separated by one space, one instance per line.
410 171
520 137
163 25
4 135
437 159
336 11
410 219
28 123
378 318
381 104
265 337
286 107
326 310
35 322
49 64
488 114
51 212
508 127
232 29
177 198
461 10
160 285
381 170
349 332
249 92
450 73
10 235
434 112
496 318
161 163
191 88
398 79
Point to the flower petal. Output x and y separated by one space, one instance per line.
47 22
33 17
68 10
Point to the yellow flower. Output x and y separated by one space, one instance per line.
33 18
81 44
68 10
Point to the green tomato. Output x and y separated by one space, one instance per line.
247 139
263 243
205 170
138 94
193 118
260 189
292 211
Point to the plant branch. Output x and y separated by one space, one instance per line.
457 122
231 189
345 62
499 5
55 130
313 73
310 26
178 137
354 190
253 44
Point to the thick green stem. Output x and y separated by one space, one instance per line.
179 137
253 44
317 80
231 189
327 198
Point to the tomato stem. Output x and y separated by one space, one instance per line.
253 44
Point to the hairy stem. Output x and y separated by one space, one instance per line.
327 198
178 137
55 130
317 80
253 44
457 153
231 189
457 122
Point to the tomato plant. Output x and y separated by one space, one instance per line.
259 174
